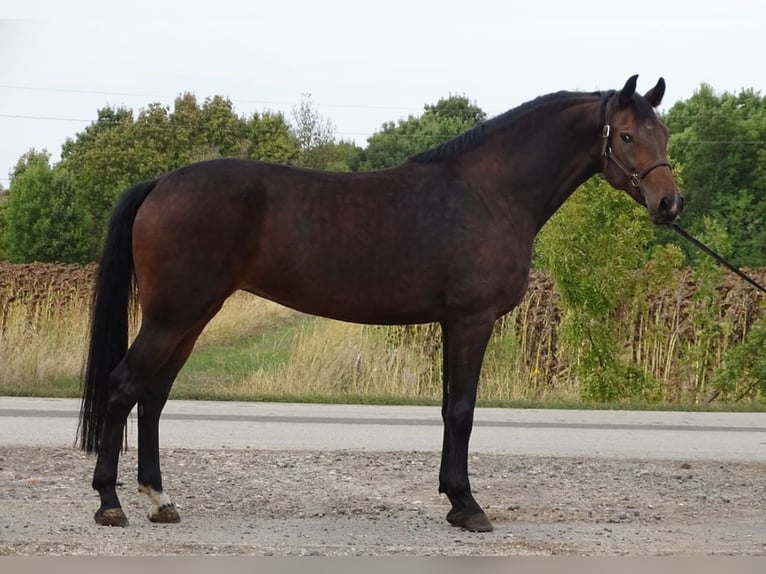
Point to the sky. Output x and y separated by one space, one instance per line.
363 63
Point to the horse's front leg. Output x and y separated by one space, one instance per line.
464 344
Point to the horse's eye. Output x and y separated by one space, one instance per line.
626 137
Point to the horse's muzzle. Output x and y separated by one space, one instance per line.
668 208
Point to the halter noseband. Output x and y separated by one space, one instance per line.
635 177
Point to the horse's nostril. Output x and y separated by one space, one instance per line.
665 203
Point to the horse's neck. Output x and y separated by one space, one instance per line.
572 168
561 154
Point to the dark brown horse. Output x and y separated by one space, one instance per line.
445 237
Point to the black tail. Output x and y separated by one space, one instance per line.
113 295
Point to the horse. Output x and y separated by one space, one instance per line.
444 237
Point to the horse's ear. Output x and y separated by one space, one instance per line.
626 94
654 96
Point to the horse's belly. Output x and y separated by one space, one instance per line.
372 306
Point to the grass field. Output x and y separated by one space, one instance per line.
257 350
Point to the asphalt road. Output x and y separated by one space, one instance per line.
277 426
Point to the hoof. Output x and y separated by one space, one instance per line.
473 522
166 514
111 517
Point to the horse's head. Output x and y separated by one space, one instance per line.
634 150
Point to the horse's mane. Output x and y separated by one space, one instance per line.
473 137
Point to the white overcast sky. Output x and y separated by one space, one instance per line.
363 62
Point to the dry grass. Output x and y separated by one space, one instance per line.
243 315
331 358
41 344
43 341
335 359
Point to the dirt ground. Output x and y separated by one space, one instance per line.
368 503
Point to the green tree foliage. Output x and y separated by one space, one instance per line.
710 333
3 205
121 149
720 142
341 156
596 247
214 130
103 161
458 108
268 138
396 141
744 371
315 134
42 220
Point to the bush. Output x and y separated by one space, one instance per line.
597 248
744 371
42 219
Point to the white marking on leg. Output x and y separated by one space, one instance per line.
159 499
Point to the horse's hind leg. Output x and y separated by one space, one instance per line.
142 364
150 407
121 401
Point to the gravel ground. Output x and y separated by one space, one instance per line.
369 503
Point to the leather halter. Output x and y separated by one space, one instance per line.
635 177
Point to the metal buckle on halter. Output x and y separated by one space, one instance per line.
635 180
605 149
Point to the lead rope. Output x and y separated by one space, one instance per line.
635 180
683 233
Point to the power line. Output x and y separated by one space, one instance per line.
158 126
44 118
89 91
76 91
339 133
234 100
177 125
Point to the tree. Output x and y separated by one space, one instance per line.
596 247
396 141
42 220
391 145
3 205
106 120
222 130
340 156
744 370
456 107
315 135
102 161
270 138
720 143
120 149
